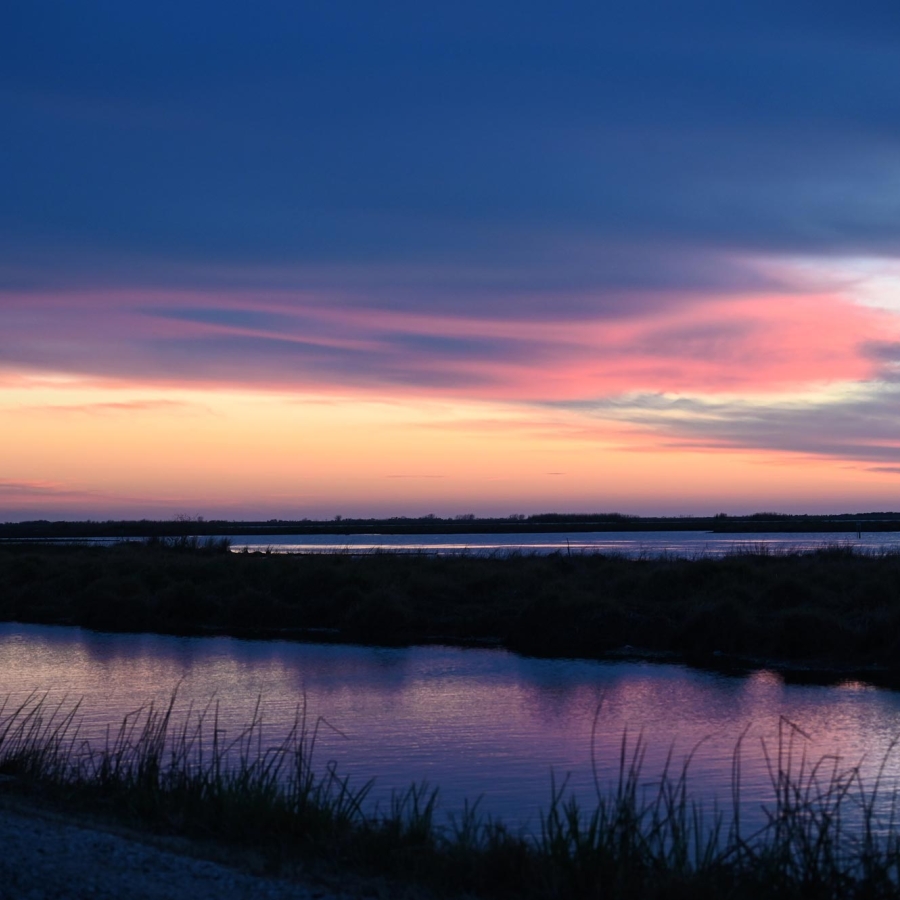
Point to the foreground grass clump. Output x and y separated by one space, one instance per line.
831 607
821 839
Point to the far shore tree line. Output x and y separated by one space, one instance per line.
459 523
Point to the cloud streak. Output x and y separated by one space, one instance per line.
521 149
22 489
114 408
675 225
712 345
859 425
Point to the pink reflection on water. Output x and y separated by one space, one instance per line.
473 722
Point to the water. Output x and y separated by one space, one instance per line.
626 543
475 722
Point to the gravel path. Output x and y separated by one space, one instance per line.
47 855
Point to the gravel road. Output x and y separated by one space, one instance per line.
48 855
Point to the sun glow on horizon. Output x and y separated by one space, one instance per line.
134 451
310 405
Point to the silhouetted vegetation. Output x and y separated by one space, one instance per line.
815 611
822 838
467 523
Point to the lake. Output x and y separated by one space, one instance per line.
626 543
475 722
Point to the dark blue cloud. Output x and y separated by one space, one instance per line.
499 135
271 360
438 350
226 318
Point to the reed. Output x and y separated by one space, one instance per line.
177 773
189 543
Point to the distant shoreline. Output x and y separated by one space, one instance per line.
552 523
826 615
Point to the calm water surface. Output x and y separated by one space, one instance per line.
627 543
477 723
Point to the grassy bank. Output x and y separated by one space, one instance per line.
643 839
829 608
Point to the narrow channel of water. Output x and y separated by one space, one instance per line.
626 543
476 723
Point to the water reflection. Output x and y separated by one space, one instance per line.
475 722
626 543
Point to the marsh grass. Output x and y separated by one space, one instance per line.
827 609
823 836
189 543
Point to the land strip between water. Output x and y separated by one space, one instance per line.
827 613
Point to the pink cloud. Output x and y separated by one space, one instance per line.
27 498
759 344
114 407
20 489
754 343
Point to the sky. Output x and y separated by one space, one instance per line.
306 259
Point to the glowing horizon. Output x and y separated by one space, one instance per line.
199 437
330 269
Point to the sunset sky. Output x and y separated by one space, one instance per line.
301 259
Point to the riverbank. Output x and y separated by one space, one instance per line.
827 613
53 852
168 777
